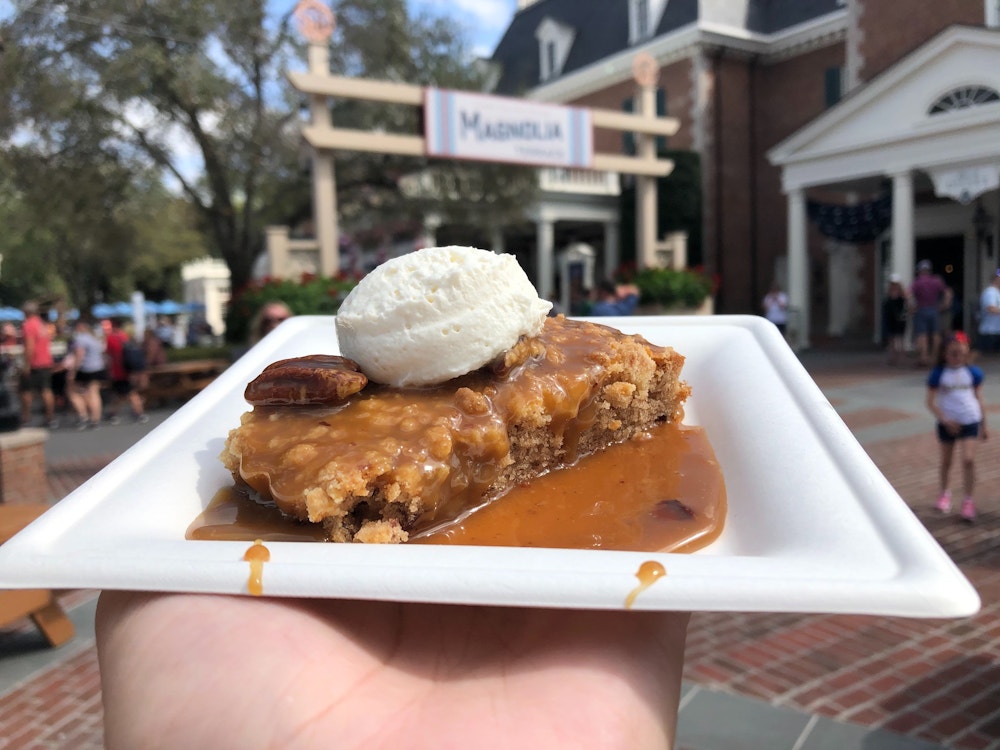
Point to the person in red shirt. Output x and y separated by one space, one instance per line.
123 380
36 373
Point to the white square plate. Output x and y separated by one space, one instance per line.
813 526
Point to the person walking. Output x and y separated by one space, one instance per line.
775 307
91 372
894 315
126 366
36 372
954 397
989 316
929 296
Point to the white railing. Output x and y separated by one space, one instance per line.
579 181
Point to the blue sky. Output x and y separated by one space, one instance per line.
483 20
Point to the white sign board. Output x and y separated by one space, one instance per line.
491 128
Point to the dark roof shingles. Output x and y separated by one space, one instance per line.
601 28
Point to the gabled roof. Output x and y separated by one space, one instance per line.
771 16
602 29
886 126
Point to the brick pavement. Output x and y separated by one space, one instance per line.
938 680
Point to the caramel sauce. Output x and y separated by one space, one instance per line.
233 515
256 555
648 574
661 491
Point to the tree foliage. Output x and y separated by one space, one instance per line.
186 86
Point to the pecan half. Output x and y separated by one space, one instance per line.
303 381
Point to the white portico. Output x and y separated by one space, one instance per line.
930 127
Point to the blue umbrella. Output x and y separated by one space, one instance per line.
11 313
169 307
122 310
102 310
69 314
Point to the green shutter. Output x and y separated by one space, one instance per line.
628 138
661 111
832 85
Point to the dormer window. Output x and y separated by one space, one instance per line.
554 42
551 59
643 18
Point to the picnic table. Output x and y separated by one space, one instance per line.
180 380
38 604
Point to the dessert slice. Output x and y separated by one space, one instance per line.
377 463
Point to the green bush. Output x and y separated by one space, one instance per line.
310 295
672 288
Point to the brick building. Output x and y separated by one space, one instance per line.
838 140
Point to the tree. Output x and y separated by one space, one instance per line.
165 230
159 74
87 228
65 224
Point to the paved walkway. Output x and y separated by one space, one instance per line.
752 681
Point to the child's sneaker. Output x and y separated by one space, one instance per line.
968 510
943 503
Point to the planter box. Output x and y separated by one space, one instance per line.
707 307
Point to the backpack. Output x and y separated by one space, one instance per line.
133 358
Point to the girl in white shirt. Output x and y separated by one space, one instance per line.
954 396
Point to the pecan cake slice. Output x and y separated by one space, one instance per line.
374 463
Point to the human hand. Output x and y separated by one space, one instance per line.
182 670
952 428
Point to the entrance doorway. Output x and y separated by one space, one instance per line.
947 254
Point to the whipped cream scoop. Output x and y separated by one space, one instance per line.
437 313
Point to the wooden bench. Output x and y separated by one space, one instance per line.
38 604
179 381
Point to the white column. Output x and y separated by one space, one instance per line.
431 223
277 251
545 242
324 178
903 251
497 244
645 190
611 260
798 267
